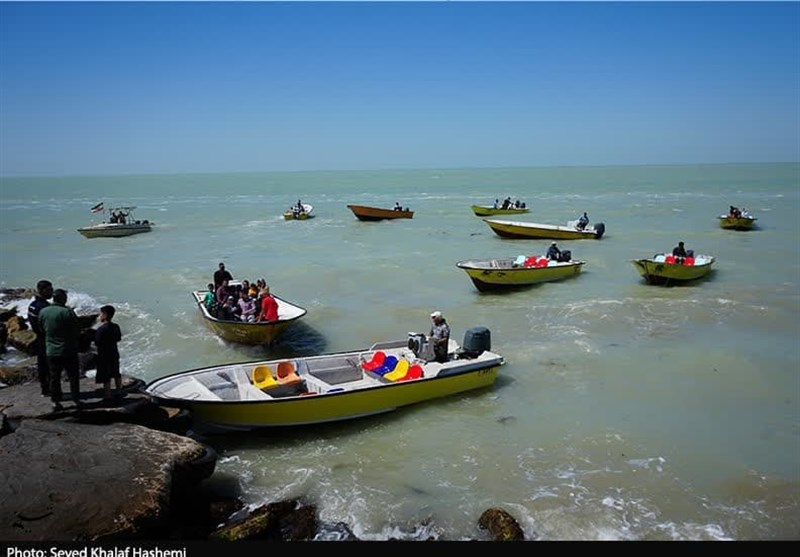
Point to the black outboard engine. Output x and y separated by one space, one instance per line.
689 253
599 229
476 341
566 255
416 343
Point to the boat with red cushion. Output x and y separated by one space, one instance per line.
666 268
328 387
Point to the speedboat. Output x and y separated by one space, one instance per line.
329 387
252 333
526 230
365 213
489 210
665 268
120 222
505 273
293 214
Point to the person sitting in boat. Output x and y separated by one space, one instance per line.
734 212
583 222
229 310
397 206
679 252
516 203
507 203
553 253
247 307
439 336
209 299
268 306
496 203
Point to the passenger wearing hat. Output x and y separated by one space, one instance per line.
553 253
44 291
439 336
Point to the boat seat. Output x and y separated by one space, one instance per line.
262 377
377 360
399 371
414 372
388 365
287 375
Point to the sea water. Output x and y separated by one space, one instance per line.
624 411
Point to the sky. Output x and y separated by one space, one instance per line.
185 87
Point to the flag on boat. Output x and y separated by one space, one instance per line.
97 208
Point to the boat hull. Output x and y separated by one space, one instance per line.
518 230
337 406
736 223
659 272
109 230
308 213
501 274
325 388
364 213
489 210
254 334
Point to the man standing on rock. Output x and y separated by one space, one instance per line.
44 291
61 333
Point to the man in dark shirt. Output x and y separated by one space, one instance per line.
679 250
44 291
221 275
553 253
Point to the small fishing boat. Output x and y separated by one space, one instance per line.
742 222
329 387
527 230
365 213
292 213
119 222
252 333
505 273
665 268
489 210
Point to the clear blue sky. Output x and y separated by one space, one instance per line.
119 87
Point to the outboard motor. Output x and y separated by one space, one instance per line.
566 255
476 341
416 343
599 229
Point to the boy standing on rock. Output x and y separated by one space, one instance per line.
106 338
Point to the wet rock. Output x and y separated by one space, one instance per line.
264 523
501 525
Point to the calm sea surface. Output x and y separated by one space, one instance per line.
624 412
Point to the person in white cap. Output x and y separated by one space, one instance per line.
439 336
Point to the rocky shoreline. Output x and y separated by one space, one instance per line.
129 470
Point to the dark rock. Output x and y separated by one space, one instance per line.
264 523
17 293
129 472
501 525
7 313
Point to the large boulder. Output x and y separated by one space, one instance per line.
128 473
501 525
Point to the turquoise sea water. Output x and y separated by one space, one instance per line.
624 412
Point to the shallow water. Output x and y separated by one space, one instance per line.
624 412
